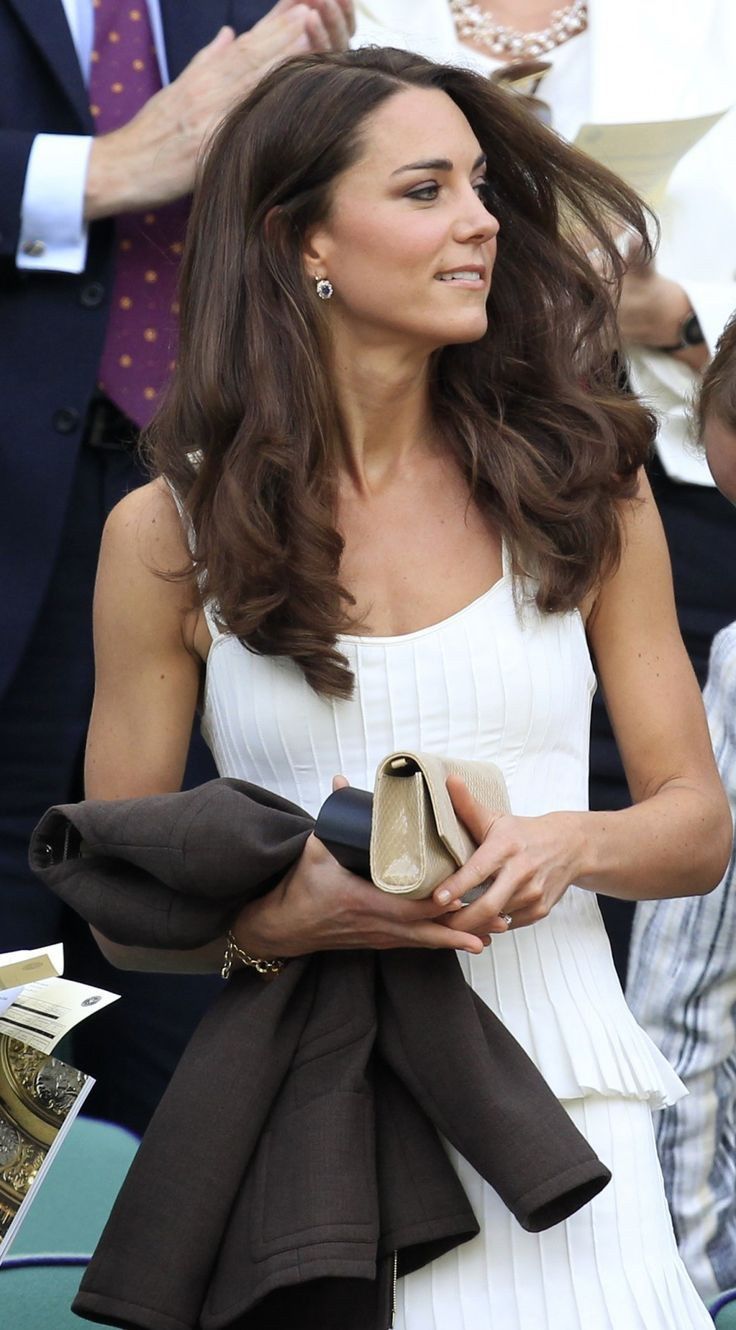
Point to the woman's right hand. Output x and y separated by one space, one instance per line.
321 906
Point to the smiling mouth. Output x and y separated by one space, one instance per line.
463 275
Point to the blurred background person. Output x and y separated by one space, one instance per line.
614 61
682 974
104 108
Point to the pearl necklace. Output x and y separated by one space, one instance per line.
508 43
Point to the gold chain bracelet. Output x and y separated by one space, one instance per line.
233 952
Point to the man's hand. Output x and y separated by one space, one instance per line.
152 160
652 310
331 25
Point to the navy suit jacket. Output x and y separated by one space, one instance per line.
52 325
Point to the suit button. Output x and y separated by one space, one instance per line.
92 295
34 248
66 420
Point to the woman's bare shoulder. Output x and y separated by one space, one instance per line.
147 675
145 575
147 527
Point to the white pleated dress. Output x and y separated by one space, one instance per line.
494 682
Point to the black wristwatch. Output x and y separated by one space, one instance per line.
691 334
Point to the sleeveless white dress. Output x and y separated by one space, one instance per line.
513 686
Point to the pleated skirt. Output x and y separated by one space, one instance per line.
612 1266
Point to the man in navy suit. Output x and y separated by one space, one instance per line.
67 445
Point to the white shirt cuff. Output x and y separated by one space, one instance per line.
53 233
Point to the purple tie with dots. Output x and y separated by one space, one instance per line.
141 336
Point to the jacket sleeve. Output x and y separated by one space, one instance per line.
15 149
170 870
480 1089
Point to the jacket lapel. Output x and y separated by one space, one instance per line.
189 27
46 24
245 13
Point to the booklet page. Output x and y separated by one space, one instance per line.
645 155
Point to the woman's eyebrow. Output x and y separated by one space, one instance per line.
437 164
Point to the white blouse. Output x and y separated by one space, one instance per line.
492 683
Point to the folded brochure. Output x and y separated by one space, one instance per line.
646 154
39 1095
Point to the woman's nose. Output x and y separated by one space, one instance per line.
476 222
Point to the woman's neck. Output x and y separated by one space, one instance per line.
384 403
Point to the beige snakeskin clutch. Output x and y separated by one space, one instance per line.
417 839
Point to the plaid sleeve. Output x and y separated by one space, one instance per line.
682 989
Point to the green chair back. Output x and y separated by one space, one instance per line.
45 1263
723 1311
38 1298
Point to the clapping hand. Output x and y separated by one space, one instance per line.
153 158
652 306
329 25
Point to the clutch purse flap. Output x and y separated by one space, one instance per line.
417 839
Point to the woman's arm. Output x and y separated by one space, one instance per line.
146 670
147 682
675 840
147 676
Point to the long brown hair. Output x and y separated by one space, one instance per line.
250 433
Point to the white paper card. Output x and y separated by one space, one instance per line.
44 1012
645 155
24 967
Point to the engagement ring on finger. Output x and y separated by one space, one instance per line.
507 919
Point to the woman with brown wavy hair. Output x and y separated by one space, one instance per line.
413 505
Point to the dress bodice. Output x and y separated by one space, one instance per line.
476 686
497 681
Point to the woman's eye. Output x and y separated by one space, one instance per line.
428 193
425 194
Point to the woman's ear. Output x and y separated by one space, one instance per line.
316 253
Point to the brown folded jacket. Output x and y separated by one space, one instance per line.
297 1147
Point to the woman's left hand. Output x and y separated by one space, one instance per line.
528 861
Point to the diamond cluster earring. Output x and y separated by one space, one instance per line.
324 288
